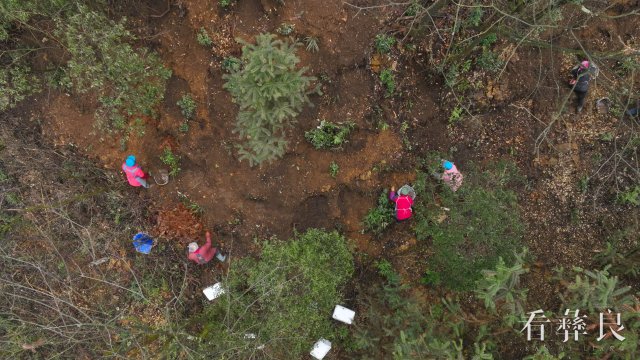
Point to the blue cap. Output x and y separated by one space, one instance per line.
447 165
131 160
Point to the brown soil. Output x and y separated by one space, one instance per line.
297 191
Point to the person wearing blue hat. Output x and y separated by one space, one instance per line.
135 175
451 176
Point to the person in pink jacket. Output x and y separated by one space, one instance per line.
135 175
451 176
203 254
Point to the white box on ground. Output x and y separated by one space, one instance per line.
213 291
343 314
320 349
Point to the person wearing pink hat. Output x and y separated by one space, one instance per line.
580 82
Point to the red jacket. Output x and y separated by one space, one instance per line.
205 253
403 205
132 173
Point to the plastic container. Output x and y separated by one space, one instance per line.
161 176
343 314
320 349
143 243
213 291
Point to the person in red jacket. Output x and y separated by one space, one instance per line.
203 254
135 175
403 203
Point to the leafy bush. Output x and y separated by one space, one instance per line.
270 92
388 80
203 38
401 326
381 216
285 29
333 169
328 135
489 61
414 8
187 106
128 82
502 286
482 225
456 114
283 298
623 259
172 160
225 3
231 64
16 83
384 43
630 196
595 291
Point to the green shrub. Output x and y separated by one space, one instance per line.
489 40
187 106
388 80
231 64
594 291
283 298
312 44
398 324
16 83
203 38
127 82
502 286
285 29
630 196
225 3
489 61
384 43
482 225
328 135
456 114
271 93
172 160
333 169
381 216
414 9
475 16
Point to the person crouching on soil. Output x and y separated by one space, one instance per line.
580 82
135 175
451 176
403 203
203 254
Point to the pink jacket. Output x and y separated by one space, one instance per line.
205 253
132 173
453 178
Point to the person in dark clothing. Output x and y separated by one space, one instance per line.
580 82
634 111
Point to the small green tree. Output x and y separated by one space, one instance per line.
502 286
270 92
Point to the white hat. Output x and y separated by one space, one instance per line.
193 247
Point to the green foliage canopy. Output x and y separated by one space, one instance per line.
270 92
482 225
285 298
